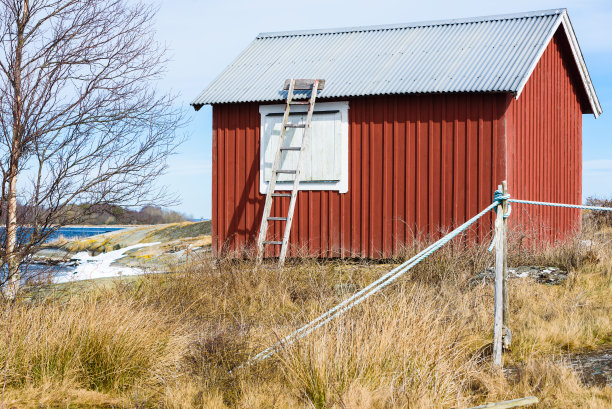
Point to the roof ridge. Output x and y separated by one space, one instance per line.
479 54
466 20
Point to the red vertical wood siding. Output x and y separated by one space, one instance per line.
418 165
545 145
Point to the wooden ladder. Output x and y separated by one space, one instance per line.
291 85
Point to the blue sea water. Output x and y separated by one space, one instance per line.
74 232
78 232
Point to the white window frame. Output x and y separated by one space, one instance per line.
340 185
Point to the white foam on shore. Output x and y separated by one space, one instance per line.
92 267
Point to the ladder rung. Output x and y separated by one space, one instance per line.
303 84
299 103
281 194
291 172
278 243
291 148
295 125
280 219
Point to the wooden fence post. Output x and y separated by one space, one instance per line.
499 282
506 333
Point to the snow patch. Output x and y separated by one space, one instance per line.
100 266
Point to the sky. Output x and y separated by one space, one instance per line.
203 37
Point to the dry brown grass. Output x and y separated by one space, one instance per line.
95 344
178 340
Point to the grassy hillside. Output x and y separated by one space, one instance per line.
175 240
179 340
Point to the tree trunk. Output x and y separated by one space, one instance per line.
11 236
11 215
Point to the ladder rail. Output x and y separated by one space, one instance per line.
263 230
296 182
292 85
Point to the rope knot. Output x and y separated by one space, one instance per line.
499 197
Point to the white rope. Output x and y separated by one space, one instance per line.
573 206
366 292
393 275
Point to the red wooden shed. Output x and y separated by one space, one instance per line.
417 125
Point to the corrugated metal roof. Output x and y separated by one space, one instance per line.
483 54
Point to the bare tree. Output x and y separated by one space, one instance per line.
81 121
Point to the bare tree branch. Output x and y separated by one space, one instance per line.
81 121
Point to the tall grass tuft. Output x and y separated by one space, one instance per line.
95 342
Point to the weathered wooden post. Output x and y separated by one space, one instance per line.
506 333
499 285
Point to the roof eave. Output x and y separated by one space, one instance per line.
578 59
582 67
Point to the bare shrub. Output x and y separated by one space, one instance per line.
599 219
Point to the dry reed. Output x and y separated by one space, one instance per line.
178 340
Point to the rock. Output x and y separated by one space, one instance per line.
594 368
541 274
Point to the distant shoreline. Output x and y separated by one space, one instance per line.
166 244
123 226
105 226
111 226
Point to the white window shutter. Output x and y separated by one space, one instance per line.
322 160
